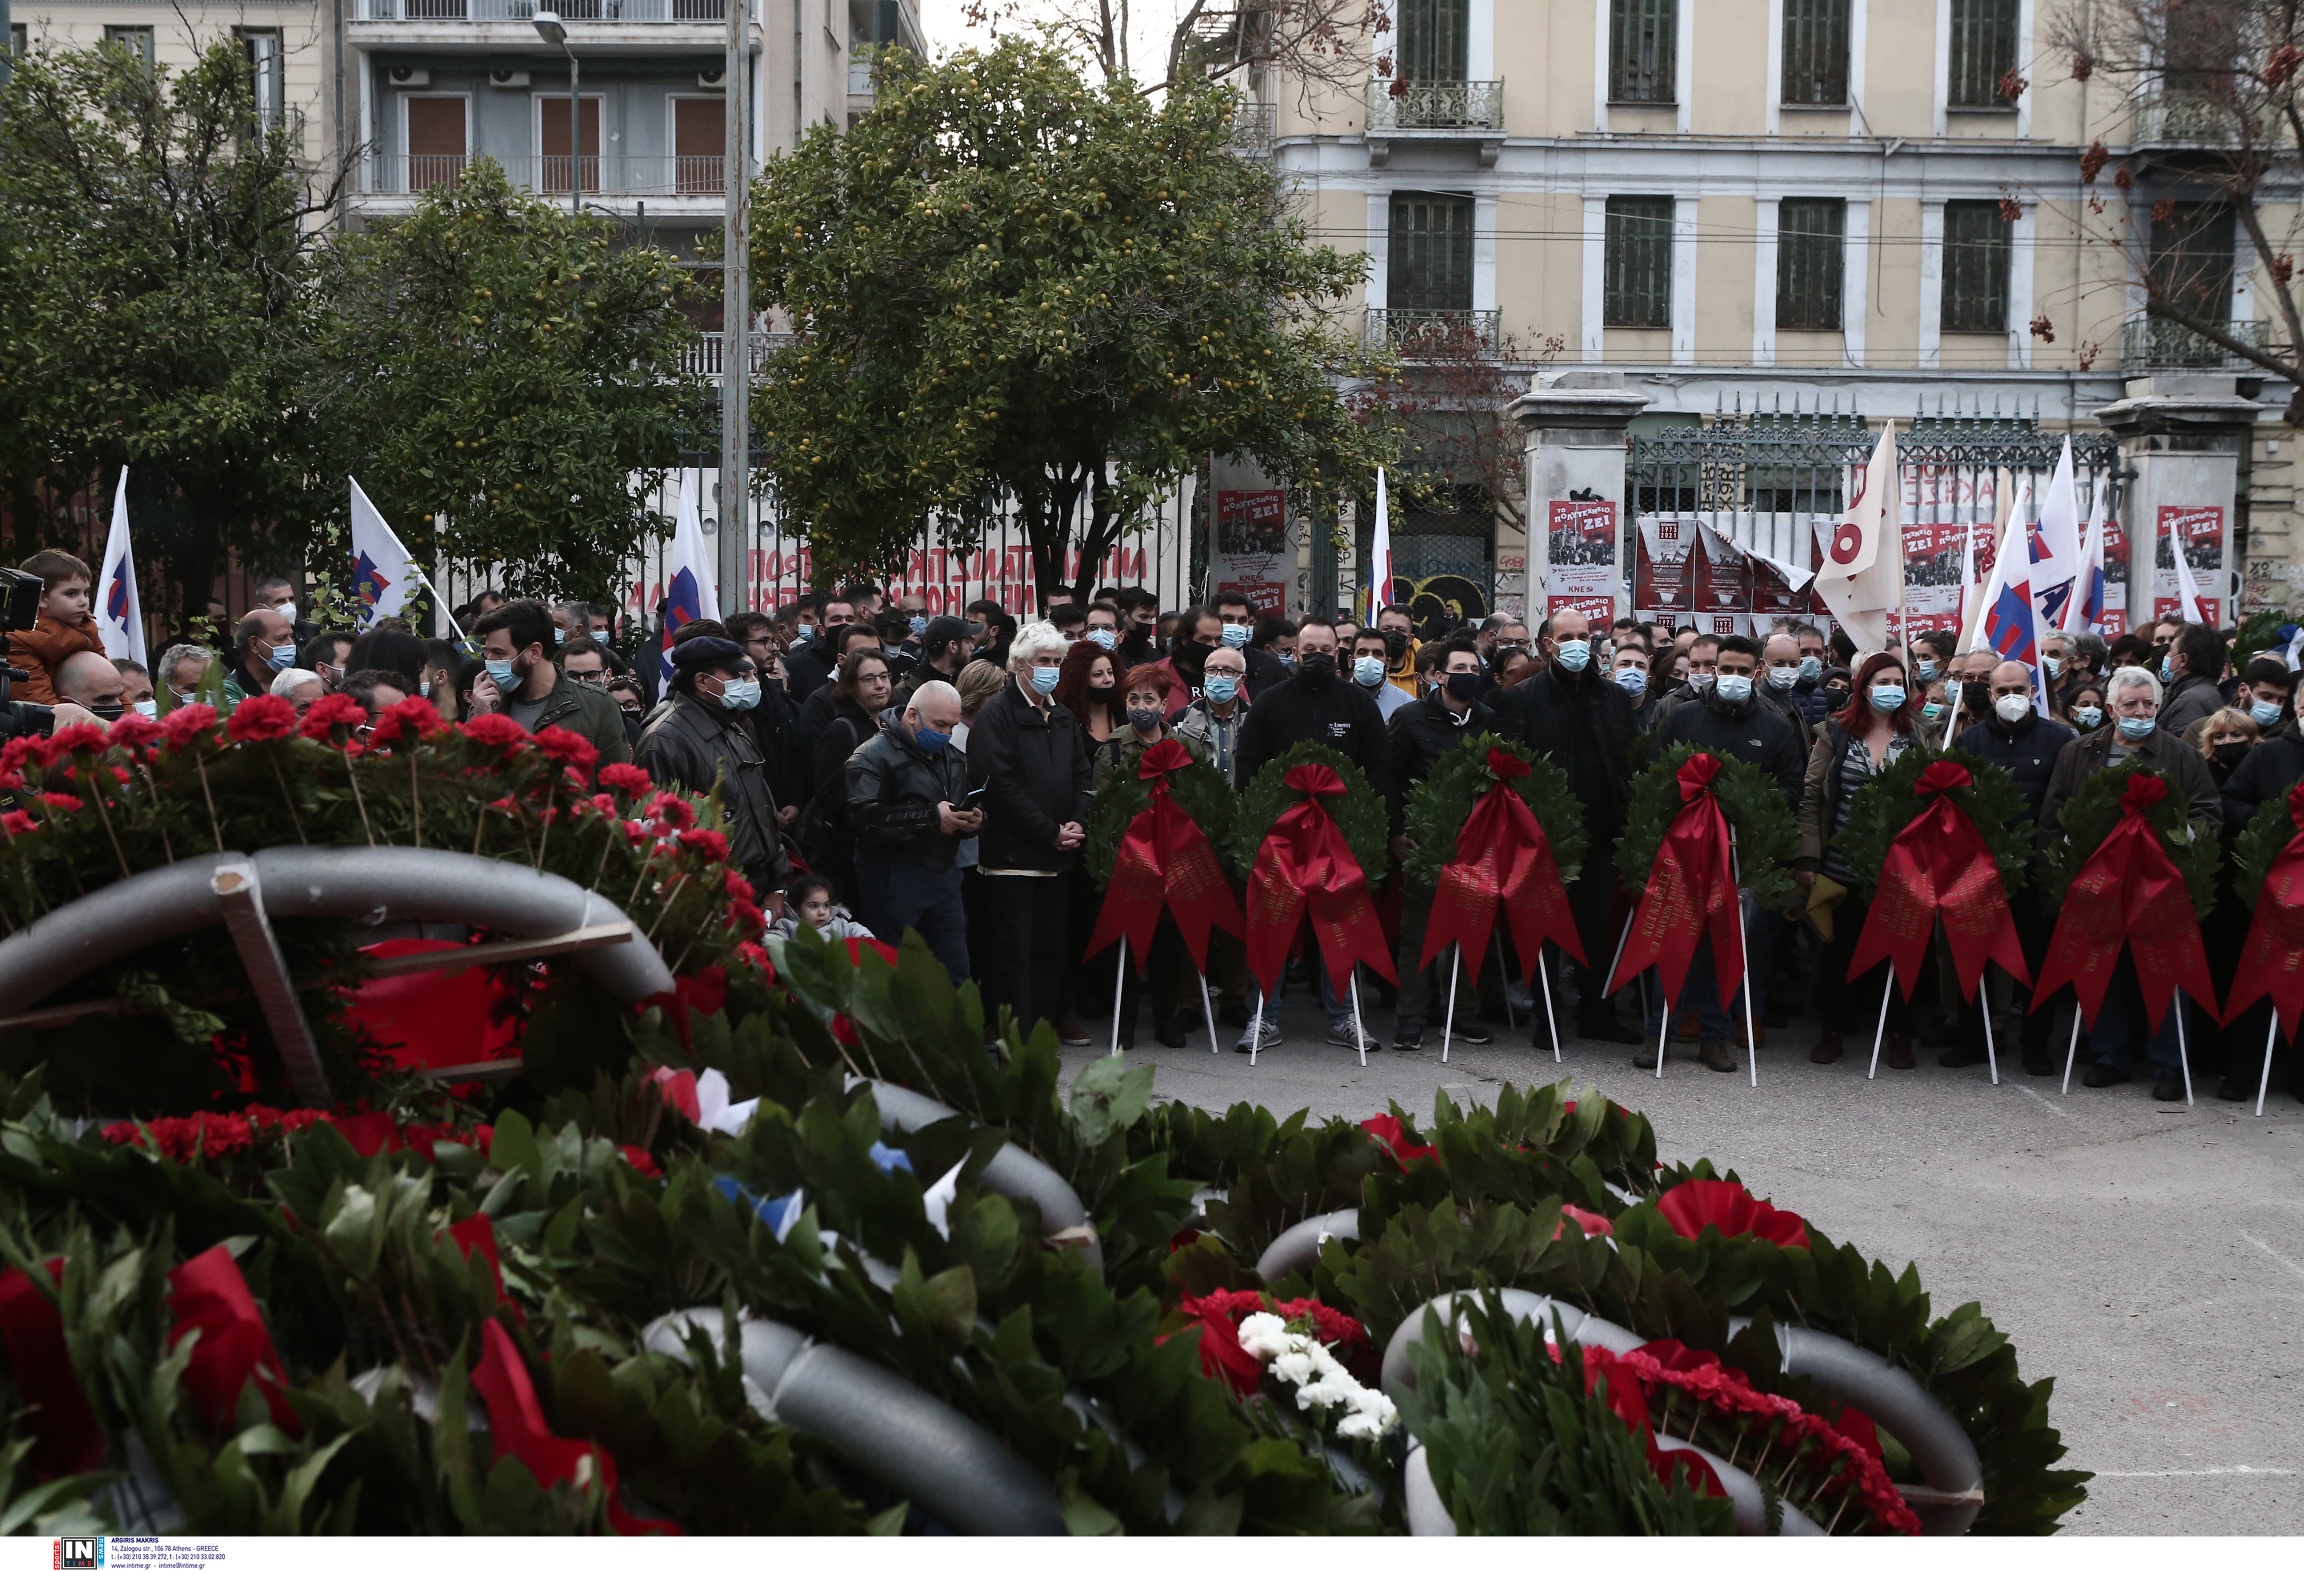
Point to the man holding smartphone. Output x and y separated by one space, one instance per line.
910 808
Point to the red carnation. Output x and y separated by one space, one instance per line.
62 801
740 888
21 753
670 810
1393 1137
330 711
1723 1204
408 720
134 731
1221 1356
563 746
1591 1222
628 778
495 731
678 1089
757 958
185 723
261 718
17 822
642 1163
711 843
746 917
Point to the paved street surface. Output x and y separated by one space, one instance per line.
2148 1256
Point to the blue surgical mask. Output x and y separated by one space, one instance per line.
2167 673
1810 668
500 673
1886 700
559 634
2135 728
1931 713
1701 681
424 688
1781 678
1103 638
1222 690
1952 694
2054 663
1368 671
282 657
1632 680
1574 654
805 632
918 625
931 741
1045 678
1926 670
148 708
740 693
2264 713
1734 690
2087 717
1235 636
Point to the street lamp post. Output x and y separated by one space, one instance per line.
555 32
736 319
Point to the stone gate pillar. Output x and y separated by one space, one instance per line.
1576 424
2182 438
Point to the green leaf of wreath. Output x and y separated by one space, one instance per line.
1879 812
1766 836
2265 838
1359 813
2094 812
1202 791
1444 799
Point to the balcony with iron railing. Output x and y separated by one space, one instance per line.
2182 120
1402 104
663 176
611 12
709 354
1434 335
1253 127
2157 344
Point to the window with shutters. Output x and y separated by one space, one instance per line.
1643 51
1637 263
1809 262
267 76
136 40
1432 40
439 141
559 158
1816 52
1975 268
1430 267
2191 259
699 145
1983 53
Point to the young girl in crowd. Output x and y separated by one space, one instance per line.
809 899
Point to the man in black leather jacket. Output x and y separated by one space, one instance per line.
906 790
704 735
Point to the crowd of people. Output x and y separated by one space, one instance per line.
884 770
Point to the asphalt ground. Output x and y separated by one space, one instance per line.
2149 1256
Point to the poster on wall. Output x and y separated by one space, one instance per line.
1660 570
2116 620
1933 554
1254 556
1719 583
2199 528
1580 570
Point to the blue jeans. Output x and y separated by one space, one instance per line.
1702 987
2123 1014
893 894
1337 1003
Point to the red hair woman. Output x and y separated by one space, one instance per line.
1880 721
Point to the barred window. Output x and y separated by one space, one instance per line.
1430 268
2191 259
1975 268
1808 262
1643 45
1432 40
1637 267
1983 52
1815 51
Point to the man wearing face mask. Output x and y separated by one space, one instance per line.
265 642
905 787
1213 719
2191 669
2018 739
1198 630
1584 721
1371 651
703 735
1808 676
1703 669
1628 669
522 681
1780 679
2133 696
1400 645
1433 726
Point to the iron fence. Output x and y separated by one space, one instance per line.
1404 105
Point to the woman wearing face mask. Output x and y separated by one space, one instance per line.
2225 739
2085 712
1088 684
1869 733
1144 692
859 693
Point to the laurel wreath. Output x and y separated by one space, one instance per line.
1993 802
2253 851
1202 791
2094 812
1442 802
1359 813
1767 838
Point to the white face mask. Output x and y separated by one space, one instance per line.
287 608
2012 707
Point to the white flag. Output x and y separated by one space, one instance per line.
690 589
1379 556
2190 603
2008 552
383 574
2056 540
119 610
2084 607
1863 574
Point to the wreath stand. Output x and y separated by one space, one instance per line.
1455 972
1743 971
1983 1007
2183 1050
1120 981
1359 1032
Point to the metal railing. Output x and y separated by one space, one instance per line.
2156 344
1449 335
1253 126
602 11
2184 120
1405 105
707 357
674 175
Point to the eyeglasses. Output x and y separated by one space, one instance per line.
590 679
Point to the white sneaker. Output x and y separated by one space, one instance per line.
1250 1041
1342 1035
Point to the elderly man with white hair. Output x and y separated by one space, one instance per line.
2133 697
908 807
299 687
1024 751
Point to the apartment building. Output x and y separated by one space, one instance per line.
1859 205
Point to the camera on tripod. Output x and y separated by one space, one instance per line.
19 609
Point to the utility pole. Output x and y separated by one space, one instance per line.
735 321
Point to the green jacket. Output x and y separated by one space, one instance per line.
592 715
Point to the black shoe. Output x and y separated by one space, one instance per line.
2235 1088
1471 1032
2105 1073
1774 1019
1603 1027
1408 1037
1232 1012
2038 1061
1960 1058
2168 1085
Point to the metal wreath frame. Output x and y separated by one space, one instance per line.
364 884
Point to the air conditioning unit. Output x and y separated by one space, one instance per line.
410 76
716 80
507 79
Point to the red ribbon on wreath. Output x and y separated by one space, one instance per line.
2272 961
1165 861
65 1435
1691 893
210 1297
1502 854
516 1428
1940 866
1305 854
2128 891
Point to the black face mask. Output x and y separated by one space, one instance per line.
1395 644
107 713
1189 657
1835 700
2228 754
1316 671
1464 685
